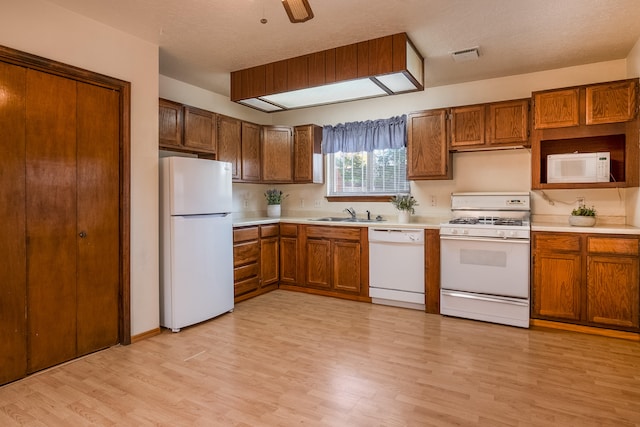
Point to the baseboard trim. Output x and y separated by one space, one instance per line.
632 336
145 335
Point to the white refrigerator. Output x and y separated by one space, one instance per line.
196 241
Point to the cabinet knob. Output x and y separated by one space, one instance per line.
82 234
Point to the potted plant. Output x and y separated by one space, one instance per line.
274 200
405 203
583 216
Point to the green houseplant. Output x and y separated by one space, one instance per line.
405 203
274 200
583 216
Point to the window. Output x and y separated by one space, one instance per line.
366 158
368 173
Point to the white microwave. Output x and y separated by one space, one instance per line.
578 167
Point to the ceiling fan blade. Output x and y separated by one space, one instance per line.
298 10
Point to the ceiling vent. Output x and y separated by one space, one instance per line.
466 55
385 66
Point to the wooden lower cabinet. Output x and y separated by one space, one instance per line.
255 260
586 279
326 260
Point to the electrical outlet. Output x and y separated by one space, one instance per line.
434 201
301 202
580 200
246 204
317 203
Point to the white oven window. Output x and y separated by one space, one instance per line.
483 257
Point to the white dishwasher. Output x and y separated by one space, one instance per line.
396 267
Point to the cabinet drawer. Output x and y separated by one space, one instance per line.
245 253
557 242
613 245
246 233
290 230
246 286
245 272
269 230
343 233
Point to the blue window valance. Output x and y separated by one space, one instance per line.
369 135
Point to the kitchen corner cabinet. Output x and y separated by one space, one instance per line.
586 279
308 166
255 260
490 126
277 154
331 261
187 129
428 154
593 118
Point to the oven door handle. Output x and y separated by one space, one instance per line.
486 239
503 300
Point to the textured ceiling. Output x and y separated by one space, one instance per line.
202 41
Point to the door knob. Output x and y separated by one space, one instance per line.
82 234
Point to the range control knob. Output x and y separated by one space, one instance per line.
500 233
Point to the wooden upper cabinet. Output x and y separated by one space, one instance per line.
229 143
556 108
507 123
490 126
611 102
428 155
200 128
250 152
467 126
307 157
170 124
277 154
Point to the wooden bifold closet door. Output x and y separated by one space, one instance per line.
59 189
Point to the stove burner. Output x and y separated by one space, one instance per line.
508 221
490 220
464 220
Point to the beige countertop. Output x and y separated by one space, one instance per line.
435 224
598 228
416 223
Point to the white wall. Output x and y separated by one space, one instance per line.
44 29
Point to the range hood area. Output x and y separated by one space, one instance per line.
384 66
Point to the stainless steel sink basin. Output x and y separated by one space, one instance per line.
343 219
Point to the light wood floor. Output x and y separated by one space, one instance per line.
291 359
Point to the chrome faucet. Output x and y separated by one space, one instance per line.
351 212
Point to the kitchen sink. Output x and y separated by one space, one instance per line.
343 219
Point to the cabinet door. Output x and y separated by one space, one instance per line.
277 154
428 156
611 102
346 266
318 263
250 152
13 247
612 290
306 142
170 122
199 130
467 126
229 140
556 109
289 260
556 285
269 267
508 123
